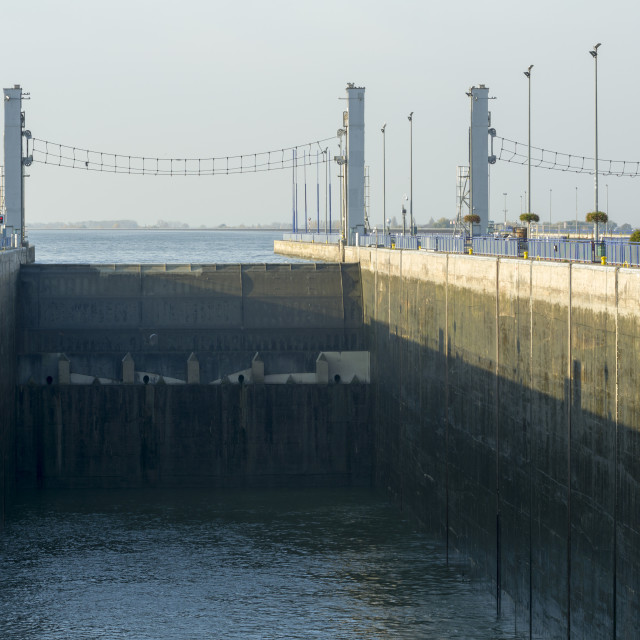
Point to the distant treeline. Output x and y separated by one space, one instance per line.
161 224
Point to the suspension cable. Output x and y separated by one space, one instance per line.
516 152
47 152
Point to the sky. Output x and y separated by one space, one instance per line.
202 78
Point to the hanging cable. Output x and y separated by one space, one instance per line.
516 153
47 152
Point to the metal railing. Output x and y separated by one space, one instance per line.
317 238
617 251
491 246
626 254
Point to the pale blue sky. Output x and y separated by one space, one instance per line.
200 78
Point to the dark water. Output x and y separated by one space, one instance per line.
235 564
156 246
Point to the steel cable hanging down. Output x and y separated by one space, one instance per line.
516 152
46 152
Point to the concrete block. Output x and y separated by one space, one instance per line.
257 369
128 368
193 369
64 370
322 370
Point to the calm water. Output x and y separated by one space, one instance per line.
235 564
156 246
196 565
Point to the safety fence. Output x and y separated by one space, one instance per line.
317 238
491 246
616 251
622 253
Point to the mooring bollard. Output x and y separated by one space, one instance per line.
603 260
526 255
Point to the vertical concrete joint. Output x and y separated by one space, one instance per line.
193 369
64 370
257 369
128 369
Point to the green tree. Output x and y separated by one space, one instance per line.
596 217
635 236
529 218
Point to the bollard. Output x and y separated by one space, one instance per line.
526 255
603 260
470 252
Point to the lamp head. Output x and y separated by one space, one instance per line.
410 116
384 126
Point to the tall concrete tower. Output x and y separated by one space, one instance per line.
355 162
479 154
13 172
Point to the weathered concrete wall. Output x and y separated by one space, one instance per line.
10 262
162 313
194 435
508 421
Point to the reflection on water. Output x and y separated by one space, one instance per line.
232 564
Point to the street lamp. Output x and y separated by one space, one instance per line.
411 170
549 210
527 73
594 53
384 175
505 211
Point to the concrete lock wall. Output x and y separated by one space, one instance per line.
85 419
79 436
160 314
508 423
10 262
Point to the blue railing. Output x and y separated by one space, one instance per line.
406 242
375 240
562 249
617 251
622 253
491 246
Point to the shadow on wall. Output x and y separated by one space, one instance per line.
536 490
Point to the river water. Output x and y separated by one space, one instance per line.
155 246
235 564
192 565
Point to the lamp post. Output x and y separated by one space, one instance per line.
505 211
606 226
384 175
411 171
594 53
576 211
549 210
527 73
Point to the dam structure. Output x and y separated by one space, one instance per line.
495 400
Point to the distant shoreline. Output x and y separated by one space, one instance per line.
152 229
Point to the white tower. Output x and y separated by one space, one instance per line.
13 172
355 162
479 154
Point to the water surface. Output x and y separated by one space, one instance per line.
190 565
